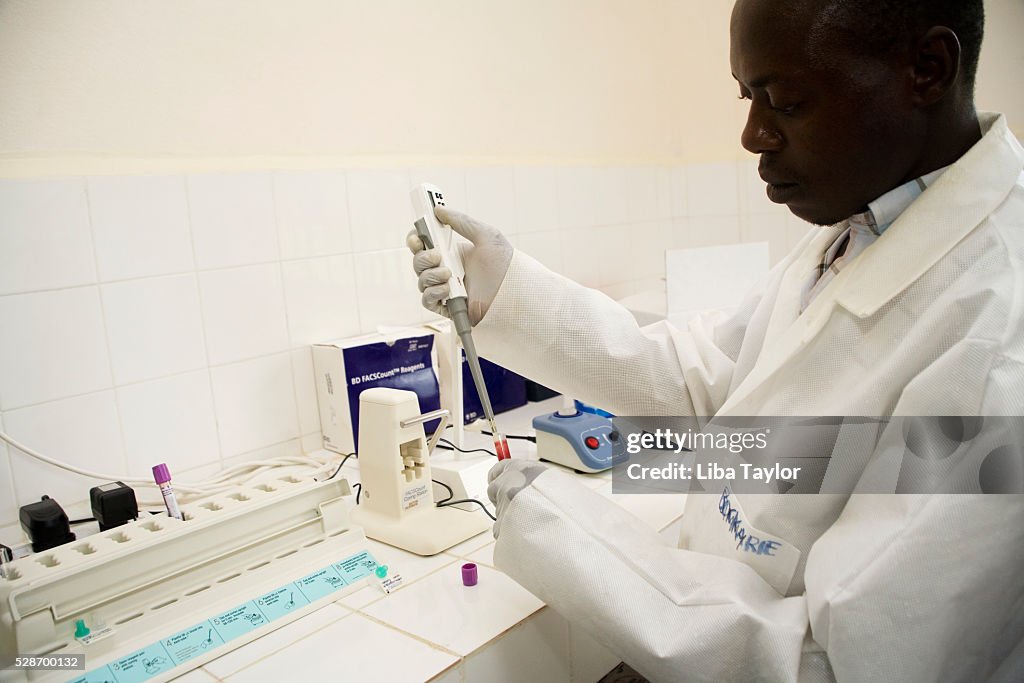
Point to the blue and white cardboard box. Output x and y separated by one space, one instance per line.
402 358
506 389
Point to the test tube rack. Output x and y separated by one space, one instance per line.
151 582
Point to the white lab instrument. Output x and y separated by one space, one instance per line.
154 598
711 278
435 235
397 501
464 473
586 442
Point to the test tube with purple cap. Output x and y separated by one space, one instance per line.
162 476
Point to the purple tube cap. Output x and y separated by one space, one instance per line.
161 473
469 574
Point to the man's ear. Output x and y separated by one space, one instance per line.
936 65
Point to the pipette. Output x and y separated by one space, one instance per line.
436 235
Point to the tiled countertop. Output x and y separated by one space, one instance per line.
433 628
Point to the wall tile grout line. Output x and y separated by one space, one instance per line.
202 319
156 378
12 485
284 299
355 280
106 329
172 273
265 655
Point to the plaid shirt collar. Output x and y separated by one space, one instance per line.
881 214
863 229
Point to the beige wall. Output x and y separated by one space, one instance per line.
1002 57
129 85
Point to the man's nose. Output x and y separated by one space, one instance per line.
760 135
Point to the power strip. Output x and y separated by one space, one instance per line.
163 596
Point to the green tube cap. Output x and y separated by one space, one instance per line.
81 630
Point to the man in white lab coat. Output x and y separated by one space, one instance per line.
907 302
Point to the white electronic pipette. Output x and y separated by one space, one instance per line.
436 235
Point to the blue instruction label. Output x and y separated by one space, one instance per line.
239 620
280 602
101 675
192 642
356 567
321 583
205 636
143 664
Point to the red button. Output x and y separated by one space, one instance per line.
592 442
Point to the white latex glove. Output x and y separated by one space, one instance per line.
508 478
485 260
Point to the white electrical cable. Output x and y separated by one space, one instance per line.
227 479
86 473
231 473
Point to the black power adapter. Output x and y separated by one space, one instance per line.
46 524
113 504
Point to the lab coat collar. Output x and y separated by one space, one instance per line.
786 312
933 224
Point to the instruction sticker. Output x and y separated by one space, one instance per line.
356 567
321 583
284 600
102 675
239 621
192 642
200 639
145 663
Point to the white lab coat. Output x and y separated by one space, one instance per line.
928 321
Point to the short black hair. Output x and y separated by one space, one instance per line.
884 25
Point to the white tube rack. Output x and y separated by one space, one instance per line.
144 582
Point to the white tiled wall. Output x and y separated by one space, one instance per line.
148 319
